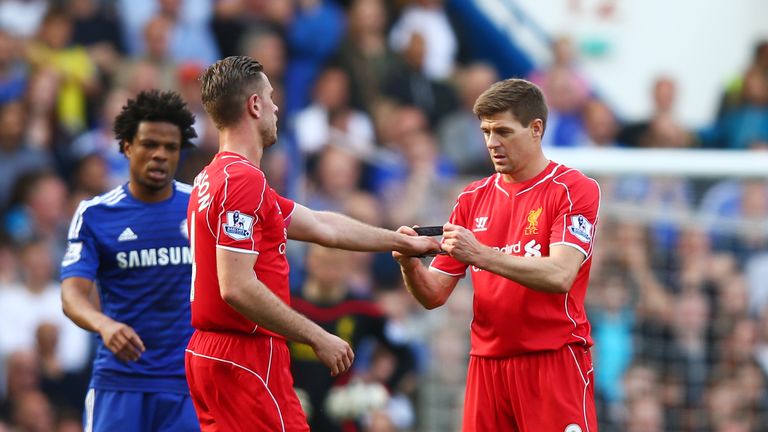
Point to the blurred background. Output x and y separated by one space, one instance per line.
665 103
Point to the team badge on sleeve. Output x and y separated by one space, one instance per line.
239 226
581 228
73 253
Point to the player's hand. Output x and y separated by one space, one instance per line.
461 244
416 245
122 340
334 352
398 256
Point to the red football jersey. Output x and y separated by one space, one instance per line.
558 206
232 207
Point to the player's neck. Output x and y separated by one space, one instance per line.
529 171
242 141
148 195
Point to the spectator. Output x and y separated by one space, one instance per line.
427 18
309 53
101 141
13 70
73 69
325 299
23 311
17 157
460 140
39 211
600 126
364 52
329 117
408 84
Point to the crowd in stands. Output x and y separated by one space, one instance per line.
376 121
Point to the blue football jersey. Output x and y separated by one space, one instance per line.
138 254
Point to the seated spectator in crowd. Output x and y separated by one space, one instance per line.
330 117
746 126
98 31
428 19
600 126
154 68
564 61
23 311
20 374
309 50
662 129
565 126
334 176
17 157
408 83
39 211
100 140
325 299
13 70
364 53
459 133
75 72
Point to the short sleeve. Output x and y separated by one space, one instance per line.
574 225
81 257
286 208
240 214
444 263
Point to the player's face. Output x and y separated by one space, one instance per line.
154 155
268 124
510 144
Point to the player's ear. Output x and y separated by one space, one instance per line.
253 105
537 128
127 148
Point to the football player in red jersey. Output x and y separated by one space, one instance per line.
526 234
237 361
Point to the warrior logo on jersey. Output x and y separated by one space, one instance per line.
581 228
481 224
533 222
238 225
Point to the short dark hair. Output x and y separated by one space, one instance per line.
520 97
226 86
154 106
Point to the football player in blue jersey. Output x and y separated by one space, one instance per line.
131 245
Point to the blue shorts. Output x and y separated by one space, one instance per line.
128 411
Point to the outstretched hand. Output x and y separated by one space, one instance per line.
415 245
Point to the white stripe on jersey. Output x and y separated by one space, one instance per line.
183 187
108 198
551 173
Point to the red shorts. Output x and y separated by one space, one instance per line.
242 383
546 391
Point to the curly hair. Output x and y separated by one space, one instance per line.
154 106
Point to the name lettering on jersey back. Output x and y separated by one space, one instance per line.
152 257
203 191
530 249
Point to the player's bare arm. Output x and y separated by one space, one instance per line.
339 231
249 296
430 288
552 274
78 306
